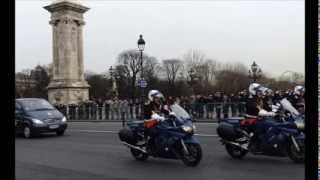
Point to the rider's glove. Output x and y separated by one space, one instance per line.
157 117
266 113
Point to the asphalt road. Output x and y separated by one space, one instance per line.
92 151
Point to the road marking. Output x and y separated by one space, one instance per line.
115 132
93 131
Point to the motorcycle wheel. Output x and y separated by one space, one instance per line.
294 155
138 155
235 152
194 157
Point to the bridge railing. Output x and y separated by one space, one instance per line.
198 111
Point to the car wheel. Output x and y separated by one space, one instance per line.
27 132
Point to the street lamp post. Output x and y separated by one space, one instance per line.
141 45
255 72
114 85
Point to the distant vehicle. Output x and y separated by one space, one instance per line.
34 116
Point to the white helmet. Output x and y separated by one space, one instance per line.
154 93
254 88
266 91
298 90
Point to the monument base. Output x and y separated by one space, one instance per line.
68 93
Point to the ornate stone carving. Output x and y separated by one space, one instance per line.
67 85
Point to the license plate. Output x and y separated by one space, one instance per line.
53 126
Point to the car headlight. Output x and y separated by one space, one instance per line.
299 124
37 121
187 129
64 119
194 128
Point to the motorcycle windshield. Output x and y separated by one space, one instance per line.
288 106
180 112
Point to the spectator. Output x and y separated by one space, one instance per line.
93 109
125 105
218 101
234 104
107 103
87 109
131 106
116 106
81 108
226 104
72 111
112 111
137 108
100 106
210 106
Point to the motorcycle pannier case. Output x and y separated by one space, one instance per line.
127 136
227 131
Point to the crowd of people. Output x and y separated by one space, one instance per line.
213 106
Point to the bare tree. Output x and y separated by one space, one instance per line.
171 68
132 60
194 57
24 83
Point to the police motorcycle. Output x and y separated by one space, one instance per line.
172 138
282 139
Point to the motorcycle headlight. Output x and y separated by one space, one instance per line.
187 129
37 121
299 124
64 119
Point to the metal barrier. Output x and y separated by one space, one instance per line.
198 111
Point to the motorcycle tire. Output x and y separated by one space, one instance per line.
138 155
294 155
195 155
235 152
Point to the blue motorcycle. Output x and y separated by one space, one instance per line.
172 138
265 136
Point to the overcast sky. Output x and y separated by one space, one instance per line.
268 32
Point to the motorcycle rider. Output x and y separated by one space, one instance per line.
297 98
255 108
155 106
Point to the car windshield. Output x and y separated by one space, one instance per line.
36 105
179 111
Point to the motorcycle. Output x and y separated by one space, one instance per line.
172 138
282 139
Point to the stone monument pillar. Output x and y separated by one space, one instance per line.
68 84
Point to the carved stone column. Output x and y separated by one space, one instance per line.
68 85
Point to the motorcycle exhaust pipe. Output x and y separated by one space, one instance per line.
236 144
134 147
